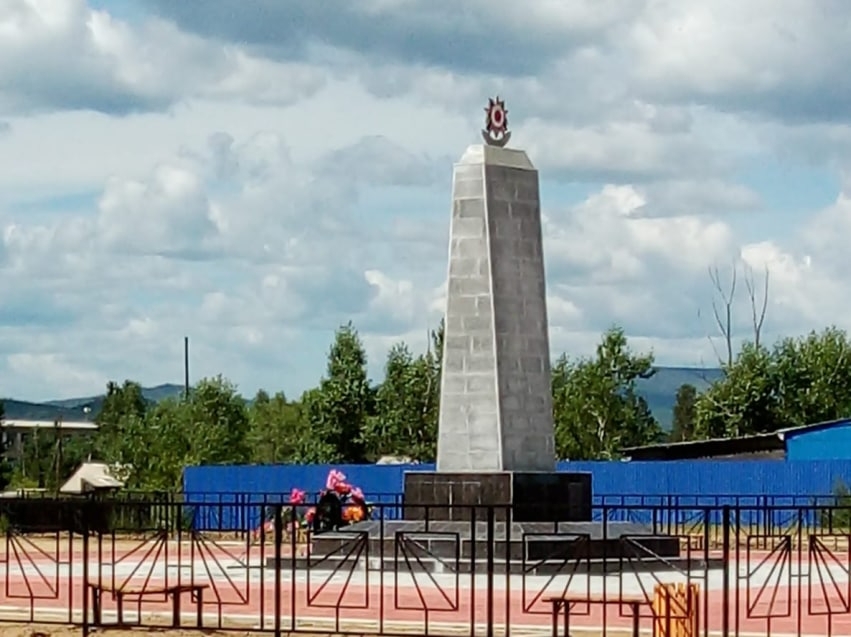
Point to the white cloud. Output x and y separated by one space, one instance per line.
64 55
169 214
43 371
782 57
607 240
255 185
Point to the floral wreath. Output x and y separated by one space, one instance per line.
339 504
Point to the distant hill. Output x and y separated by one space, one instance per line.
20 410
660 392
72 409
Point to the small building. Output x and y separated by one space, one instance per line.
92 477
16 432
821 441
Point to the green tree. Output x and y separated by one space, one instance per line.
217 424
278 432
35 459
800 381
151 446
684 414
6 465
48 456
743 401
407 404
122 402
154 448
813 377
596 406
436 347
339 409
315 447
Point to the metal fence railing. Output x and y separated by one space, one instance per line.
673 567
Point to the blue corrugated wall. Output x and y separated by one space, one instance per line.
692 477
374 480
217 487
706 483
821 443
715 477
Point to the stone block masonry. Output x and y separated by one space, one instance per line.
496 396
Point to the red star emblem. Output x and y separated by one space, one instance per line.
496 123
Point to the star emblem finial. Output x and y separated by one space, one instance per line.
496 131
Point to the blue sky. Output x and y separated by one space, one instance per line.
254 175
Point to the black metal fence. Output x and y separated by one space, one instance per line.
670 569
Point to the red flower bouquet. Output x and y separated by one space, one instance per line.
338 504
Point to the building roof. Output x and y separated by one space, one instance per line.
791 432
91 476
741 445
49 424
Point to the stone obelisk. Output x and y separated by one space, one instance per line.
496 399
496 443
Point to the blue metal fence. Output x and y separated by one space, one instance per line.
248 511
714 477
633 490
223 494
281 479
696 477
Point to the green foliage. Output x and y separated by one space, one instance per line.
596 407
216 424
682 427
152 449
277 430
799 381
407 404
121 400
338 411
121 403
6 467
48 456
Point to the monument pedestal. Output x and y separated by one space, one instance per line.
517 496
521 522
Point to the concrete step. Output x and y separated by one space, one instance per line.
429 564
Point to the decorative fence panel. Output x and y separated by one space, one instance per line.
674 568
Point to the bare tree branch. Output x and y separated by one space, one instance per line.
757 310
722 309
712 342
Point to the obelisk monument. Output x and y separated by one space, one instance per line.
496 442
496 399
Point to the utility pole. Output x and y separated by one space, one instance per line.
57 454
186 366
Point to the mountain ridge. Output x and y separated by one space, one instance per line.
660 391
77 409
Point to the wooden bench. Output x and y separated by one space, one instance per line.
173 591
564 603
692 541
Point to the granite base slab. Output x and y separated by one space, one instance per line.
530 548
510 541
512 496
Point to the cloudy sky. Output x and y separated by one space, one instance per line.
254 174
